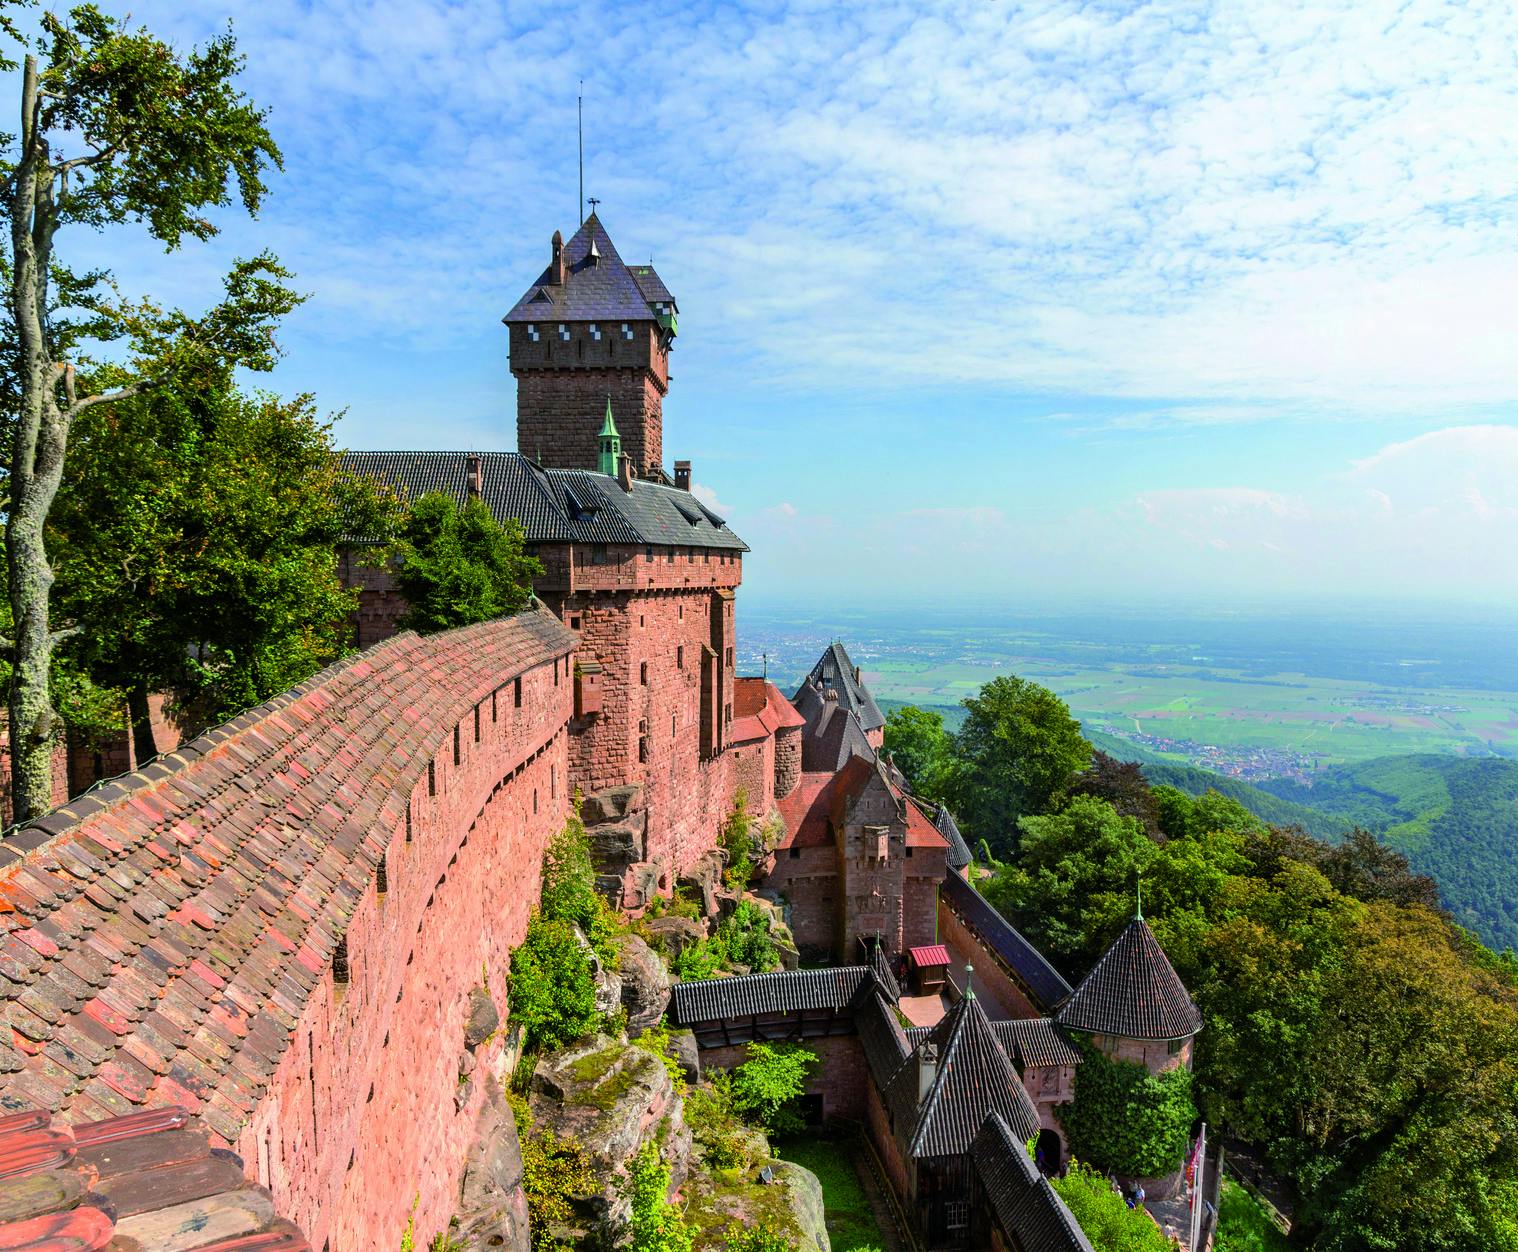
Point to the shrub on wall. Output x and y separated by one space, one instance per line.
655 1225
553 1170
1125 1119
746 937
553 991
569 890
1105 1216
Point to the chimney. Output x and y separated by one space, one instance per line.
472 476
625 472
927 1069
556 265
682 475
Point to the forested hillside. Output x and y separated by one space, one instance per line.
1277 810
1456 819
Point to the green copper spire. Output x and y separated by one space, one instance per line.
611 443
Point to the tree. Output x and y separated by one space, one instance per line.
568 892
1017 752
1106 1219
1073 886
460 565
921 749
553 991
115 127
766 1086
196 531
654 1224
1123 785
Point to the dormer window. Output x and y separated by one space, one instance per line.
563 332
532 332
627 330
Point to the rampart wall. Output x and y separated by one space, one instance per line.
280 925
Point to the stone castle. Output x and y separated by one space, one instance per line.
280 939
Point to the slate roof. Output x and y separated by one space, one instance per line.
145 1180
1035 1041
882 1038
164 932
1133 991
1025 1205
553 505
834 671
1043 981
784 991
959 850
975 1078
831 735
608 290
815 809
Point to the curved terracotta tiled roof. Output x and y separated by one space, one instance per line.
759 710
163 932
143 1181
1133 991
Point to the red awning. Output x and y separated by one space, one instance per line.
932 954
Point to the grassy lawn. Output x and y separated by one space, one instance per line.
1243 1225
850 1223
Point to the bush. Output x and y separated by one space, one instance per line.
1125 1119
553 1170
700 960
761 1238
739 844
746 938
655 1224
553 990
1109 1223
459 565
766 1086
715 1124
569 890
656 1040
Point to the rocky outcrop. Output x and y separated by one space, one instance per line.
612 805
705 879
791 1202
611 1096
645 985
682 1046
492 1212
672 935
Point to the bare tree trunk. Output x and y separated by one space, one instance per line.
36 470
144 747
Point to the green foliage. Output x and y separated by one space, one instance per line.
1124 1118
655 1039
1104 1215
702 959
922 750
553 992
655 1224
195 532
739 843
766 1086
1452 816
568 892
761 1238
1243 1226
1016 753
715 1124
460 565
745 937
554 1170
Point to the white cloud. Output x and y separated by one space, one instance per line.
1290 206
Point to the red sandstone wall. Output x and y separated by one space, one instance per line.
992 982
878 1122
754 771
360 1119
809 882
1153 1054
380 603
787 760
61 770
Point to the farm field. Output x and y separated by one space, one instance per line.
1253 699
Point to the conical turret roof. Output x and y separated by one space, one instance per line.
1133 991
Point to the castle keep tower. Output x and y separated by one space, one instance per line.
591 328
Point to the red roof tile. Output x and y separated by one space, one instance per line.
759 710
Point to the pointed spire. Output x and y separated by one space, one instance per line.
969 987
1140 911
611 443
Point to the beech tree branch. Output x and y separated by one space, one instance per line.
106 397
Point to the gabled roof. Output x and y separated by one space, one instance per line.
835 672
975 1078
831 733
553 505
882 1038
817 807
608 290
959 850
1026 1206
784 991
759 710
1133 991
1027 1040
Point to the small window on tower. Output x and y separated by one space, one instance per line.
595 332
532 332
680 657
563 332
627 331
643 673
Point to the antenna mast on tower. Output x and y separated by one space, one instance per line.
580 108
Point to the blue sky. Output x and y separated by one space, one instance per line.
1177 302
